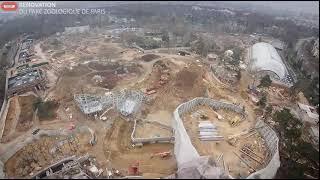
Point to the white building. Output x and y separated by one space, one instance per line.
264 60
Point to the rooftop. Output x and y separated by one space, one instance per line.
24 78
264 57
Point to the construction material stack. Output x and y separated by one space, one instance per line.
208 132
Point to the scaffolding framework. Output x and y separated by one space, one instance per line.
126 102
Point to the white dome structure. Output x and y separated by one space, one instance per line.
264 59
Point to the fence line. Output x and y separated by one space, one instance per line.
4 107
134 140
185 151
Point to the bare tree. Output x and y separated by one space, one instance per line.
165 38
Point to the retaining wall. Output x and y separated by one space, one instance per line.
4 108
185 151
272 141
3 113
183 148
151 140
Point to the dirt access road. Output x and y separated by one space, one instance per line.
39 52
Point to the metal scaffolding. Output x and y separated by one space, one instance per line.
126 102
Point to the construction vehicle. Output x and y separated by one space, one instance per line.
133 170
71 126
162 154
235 121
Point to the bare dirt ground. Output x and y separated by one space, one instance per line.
181 86
278 96
161 116
26 116
117 141
77 59
149 57
80 80
39 52
35 156
149 130
20 117
11 118
215 148
85 56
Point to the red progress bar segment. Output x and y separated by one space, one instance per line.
9 6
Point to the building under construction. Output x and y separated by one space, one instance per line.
88 104
31 80
70 168
126 102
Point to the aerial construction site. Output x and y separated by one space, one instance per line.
91 102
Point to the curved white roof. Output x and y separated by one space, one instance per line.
264 57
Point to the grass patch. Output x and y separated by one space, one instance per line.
46 109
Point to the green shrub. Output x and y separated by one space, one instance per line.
47 109
297 155
262 102
265 81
